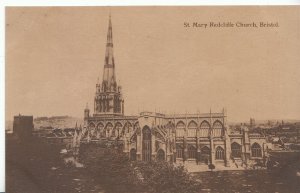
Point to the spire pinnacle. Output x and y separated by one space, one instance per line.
109 33
109 63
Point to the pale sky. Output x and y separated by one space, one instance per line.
54 56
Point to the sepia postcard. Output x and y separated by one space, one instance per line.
152 99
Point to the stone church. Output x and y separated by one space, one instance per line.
194 138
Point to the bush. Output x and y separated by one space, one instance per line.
112 168
211 167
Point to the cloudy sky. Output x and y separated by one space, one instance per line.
54 56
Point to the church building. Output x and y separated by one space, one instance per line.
202 138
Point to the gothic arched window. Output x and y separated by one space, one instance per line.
192 152
217 130
180 127
204 129
118 129
146 144
205 150
236 150
219 153
179 151
108 129
100 130
256 150
192 128
128 127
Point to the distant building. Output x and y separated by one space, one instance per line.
23 126
252 122
61 136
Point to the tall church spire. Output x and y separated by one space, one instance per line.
108 97
109 78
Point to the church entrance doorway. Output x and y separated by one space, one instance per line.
132 155
205 155
160 155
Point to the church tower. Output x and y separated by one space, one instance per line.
108 98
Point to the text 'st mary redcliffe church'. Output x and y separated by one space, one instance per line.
194 138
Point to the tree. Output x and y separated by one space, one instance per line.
164 177
112 168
